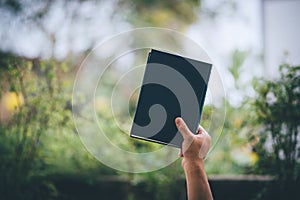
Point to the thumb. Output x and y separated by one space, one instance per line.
182 127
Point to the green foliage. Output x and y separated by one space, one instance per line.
38 139
277 108
161 13
238 58
31 117
39 143
231 152
232 147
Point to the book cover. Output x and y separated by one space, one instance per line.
173 86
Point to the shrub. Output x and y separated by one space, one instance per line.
41 105
277 108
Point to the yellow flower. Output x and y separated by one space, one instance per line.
254 157
9 103
12 101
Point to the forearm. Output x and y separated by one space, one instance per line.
197 183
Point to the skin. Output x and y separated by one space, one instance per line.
193 151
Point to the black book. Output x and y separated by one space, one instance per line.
173 86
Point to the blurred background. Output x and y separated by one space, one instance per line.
254 45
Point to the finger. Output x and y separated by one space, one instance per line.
198 131
180 154
182 127
201 130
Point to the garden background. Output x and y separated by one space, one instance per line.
43 43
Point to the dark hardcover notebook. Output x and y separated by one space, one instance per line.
173 86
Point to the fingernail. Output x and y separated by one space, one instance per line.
178 120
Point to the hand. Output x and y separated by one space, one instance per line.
194 149
194 146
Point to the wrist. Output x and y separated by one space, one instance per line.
189 164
